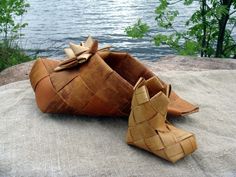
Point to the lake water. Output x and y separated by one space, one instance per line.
53 24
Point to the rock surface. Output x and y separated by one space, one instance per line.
168 63
15 73
186 63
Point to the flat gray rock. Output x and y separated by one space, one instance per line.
37 144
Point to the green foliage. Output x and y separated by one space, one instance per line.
208 30
10 53
138 30
9 11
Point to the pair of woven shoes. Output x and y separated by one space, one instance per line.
99 82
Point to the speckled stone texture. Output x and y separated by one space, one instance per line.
36 144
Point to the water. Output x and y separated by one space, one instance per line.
53 24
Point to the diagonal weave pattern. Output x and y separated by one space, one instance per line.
94 82
95 88
148 128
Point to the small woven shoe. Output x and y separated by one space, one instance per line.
148 128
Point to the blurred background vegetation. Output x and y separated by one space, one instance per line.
10 32
208 31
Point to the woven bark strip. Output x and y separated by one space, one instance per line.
93 81
148 128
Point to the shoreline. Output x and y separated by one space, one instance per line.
168 63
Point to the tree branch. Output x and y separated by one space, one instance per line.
230 47
203 13
174 2
177 32
232 13
209 38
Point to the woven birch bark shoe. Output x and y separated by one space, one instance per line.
86 83
148 128
92 81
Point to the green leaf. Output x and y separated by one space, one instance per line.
162 7
160 39
190 48
188 2
138 30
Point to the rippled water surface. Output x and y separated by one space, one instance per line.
53 23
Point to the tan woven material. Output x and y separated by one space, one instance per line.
100 85
148 128
93 81
79 54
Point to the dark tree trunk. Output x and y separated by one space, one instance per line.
222 25
203 12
